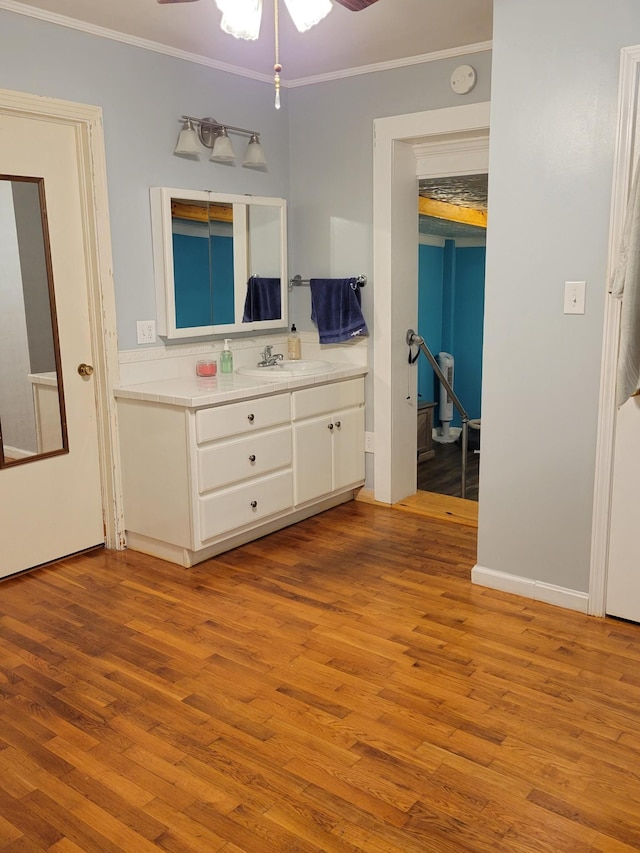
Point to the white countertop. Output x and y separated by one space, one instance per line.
194 391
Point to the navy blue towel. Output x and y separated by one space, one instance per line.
263 299
335 309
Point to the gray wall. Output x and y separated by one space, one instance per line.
331 226
142 95
553 124
331 150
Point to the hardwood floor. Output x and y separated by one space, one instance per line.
338 686
442 473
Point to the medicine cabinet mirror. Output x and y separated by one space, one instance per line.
220 262
32 413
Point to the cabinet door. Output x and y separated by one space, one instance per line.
348 448
312 450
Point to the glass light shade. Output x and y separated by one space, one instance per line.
222 148
241 18
188 141
254 156
307 13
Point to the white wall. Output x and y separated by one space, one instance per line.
553 122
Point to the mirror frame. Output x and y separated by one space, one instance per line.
163 264
55 340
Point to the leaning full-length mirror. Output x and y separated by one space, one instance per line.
32 418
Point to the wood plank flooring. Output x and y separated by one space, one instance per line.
442 473
339 686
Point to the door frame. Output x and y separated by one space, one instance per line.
628 93
91 164
395 269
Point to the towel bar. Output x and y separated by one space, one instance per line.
297 280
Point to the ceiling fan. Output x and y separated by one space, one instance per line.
241 19
353 5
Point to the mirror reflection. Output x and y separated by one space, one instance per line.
202 262
32 422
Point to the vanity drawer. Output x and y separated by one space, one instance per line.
245 505
261 412
232 461
309 402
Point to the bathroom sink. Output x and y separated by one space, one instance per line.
288 368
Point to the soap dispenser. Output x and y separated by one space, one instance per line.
293 343
226 358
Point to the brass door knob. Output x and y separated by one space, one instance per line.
85 369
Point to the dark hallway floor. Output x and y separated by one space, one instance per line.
442 473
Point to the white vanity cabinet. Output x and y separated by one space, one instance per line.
328 439
201 479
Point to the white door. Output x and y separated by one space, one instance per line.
52 506
623 578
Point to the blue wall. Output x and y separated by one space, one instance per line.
450 318
198 302
430 287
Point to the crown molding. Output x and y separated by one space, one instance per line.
145 44
156 47
463 50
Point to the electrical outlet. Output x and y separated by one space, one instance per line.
369 442
146 331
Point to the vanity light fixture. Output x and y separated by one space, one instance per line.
213 135
254 155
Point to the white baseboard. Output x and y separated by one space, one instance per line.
572 599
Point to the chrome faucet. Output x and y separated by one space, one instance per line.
269 358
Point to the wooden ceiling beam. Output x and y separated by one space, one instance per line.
451 212
202 212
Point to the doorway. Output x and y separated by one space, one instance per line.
451 276
436 143
59 486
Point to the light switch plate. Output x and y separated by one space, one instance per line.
574 297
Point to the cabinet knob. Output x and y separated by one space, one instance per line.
252 458
251 418
254 504
330 426
338 424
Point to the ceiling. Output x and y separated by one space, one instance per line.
469 191
386 32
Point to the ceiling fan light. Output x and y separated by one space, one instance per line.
241 18
307 13
187 145
222 148
254 156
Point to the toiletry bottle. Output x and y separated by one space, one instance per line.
293 343
226 358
